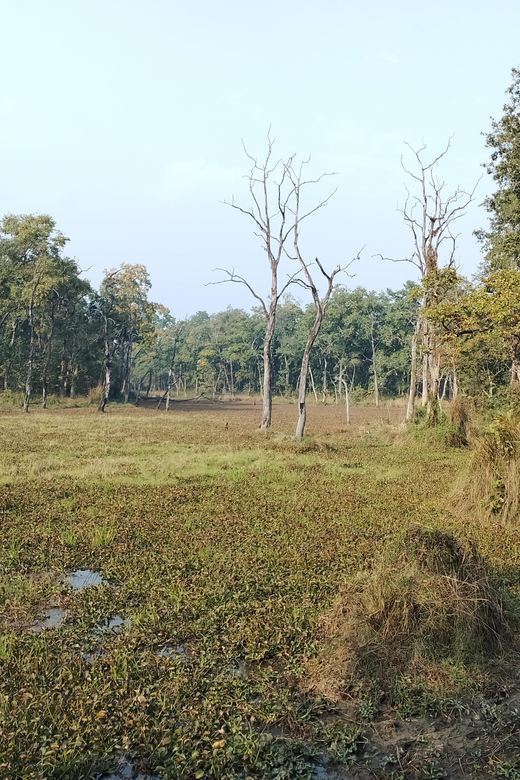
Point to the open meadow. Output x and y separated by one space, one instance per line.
203 554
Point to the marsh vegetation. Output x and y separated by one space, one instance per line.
219 552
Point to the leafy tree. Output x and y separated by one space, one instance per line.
35 281
502 240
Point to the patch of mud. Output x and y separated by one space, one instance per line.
84 578
477 738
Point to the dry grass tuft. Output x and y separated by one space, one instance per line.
432 600
462 420
492 486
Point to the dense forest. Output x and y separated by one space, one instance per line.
61 338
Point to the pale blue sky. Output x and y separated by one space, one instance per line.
124 119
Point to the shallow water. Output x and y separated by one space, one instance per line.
112 626
125 771
177 652
53 618
84 578
240 670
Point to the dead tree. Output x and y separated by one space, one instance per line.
171 374
430 215
320 304
273 210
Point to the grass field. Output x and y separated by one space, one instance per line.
219 547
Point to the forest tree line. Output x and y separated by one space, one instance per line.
60 337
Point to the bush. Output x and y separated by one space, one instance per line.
492 486
11 398
94 395
431 601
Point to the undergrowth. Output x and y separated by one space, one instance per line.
429 604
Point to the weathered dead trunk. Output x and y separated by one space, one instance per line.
105 392
315 394
374 367
302 411
267 400
28 382
413 375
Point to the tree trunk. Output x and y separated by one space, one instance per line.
315 394
28 382
340 377
267 401
376 386
128 367
108 363
413 376
47 362
149 384
433 390
7 370
455 384
302 411
63 372
347 400
324 380
515 361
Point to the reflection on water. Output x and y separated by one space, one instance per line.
84 578
93 651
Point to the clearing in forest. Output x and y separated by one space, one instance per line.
163 582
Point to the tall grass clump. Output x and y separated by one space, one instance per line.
430 603
492 485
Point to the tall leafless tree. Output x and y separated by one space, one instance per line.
430 213
274 188
320 304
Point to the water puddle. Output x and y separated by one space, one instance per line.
324 771
84 578
175 652
113 625
126 771
240 670
53 618
93 650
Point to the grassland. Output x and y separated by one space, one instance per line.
220 548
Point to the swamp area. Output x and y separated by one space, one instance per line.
169 581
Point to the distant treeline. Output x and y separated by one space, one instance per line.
57 333
60 337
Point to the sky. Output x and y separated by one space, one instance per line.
124 121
